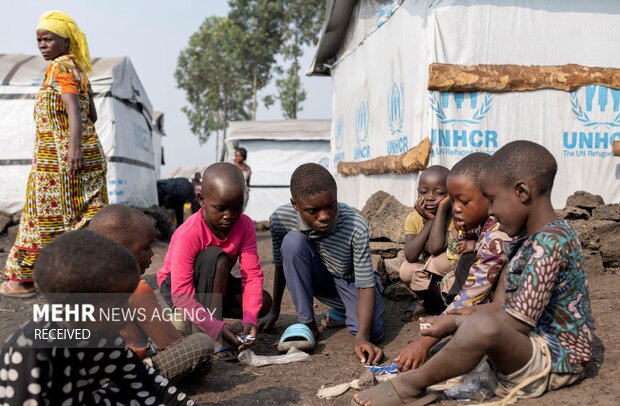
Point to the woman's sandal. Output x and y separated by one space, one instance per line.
8 289
384 394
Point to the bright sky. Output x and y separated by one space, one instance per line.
152 34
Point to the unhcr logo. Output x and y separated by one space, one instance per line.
339 154
465 110
597 108
395 115
362 149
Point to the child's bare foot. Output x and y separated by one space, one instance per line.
17 289
395 391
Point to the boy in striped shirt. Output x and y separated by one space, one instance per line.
321 248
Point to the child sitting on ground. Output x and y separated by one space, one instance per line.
322 248
174 357
429 230
541 338
470 214
196 274
81 267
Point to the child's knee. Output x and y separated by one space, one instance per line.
294 242
267 302
483 327
406 271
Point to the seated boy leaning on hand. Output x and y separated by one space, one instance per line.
81 268
541 338
321 248
174 357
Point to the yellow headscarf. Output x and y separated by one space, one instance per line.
63 25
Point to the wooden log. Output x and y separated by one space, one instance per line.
617 148
517 78
411 161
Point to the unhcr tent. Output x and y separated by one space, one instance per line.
379 52
124 126
275 149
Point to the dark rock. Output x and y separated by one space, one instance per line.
574 213
590 231
593 262
398 291
379 267
385 249
389 221
392 266
262 225
607 212
373 203
12 234
584 200
15 217
610 248
5 221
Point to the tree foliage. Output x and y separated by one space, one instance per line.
230 59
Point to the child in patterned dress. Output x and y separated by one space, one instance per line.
541 337
76 269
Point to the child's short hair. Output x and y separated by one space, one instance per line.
117 221
310 179
470 166
222 170
438 169
85 262
524 160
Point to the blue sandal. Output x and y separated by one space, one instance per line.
297 335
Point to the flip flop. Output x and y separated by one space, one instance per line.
297 335
226 354
384 394
334 318
7 289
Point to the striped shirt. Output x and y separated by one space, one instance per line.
344 250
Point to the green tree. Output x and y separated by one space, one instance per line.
261 21
301 27
214 77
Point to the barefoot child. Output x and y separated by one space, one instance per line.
470 214
196 273
541 338
81 267
322 248
176 357
428 230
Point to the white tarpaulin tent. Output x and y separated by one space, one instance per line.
378 53
124 127
275 149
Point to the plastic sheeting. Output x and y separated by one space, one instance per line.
124 128
382 105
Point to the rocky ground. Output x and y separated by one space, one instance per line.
333 362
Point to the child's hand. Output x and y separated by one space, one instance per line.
440 326
229 334
420 207
249 331
267 323
466 246
412 356
445 205
367 352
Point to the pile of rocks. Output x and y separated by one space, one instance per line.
597 225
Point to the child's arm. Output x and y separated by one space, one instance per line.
251 275
415 242
483 274
437 239
466 246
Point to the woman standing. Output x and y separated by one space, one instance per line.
67 182
241 154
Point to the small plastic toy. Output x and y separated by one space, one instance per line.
384 370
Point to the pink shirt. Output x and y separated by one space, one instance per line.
187 241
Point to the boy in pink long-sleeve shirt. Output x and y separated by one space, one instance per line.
196 273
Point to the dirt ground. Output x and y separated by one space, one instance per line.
333 361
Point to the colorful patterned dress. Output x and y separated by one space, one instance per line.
57 201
